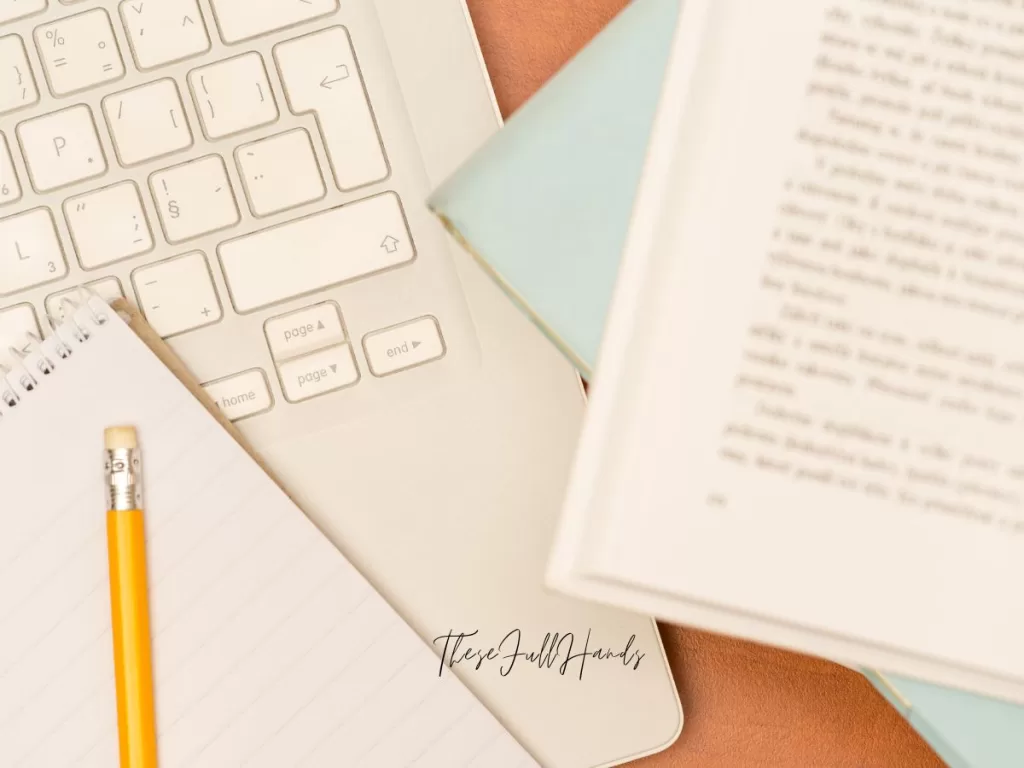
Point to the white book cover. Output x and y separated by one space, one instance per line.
808 419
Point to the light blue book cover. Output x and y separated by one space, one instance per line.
545 207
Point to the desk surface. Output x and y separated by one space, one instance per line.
746 706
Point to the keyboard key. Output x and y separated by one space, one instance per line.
318 373
62 148
307 330
194 199
404 346
17 84
79 52
241 396
108 225
177 295
17 9
315 252
109 289
16 323
10 189
320 75
243 19
279 173
147 122
30 251
176 31
233 95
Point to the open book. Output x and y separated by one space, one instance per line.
808 423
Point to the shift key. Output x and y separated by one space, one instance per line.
318 373
315 252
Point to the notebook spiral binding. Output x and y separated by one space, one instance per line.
39 358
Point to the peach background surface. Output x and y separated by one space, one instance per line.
746 706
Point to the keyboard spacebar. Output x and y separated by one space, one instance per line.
316 252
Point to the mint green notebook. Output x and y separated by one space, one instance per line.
545 207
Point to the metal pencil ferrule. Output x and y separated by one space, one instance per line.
124 480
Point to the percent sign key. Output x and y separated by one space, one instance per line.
80 51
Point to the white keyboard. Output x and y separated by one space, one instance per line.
223 165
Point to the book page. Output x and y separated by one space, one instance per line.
895 273
828 391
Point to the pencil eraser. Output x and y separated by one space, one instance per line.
120 438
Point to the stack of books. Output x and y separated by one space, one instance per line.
550 207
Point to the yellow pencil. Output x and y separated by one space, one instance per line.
129 601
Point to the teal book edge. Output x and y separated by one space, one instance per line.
545 207
531 206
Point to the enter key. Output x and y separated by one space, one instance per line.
320 75
404 346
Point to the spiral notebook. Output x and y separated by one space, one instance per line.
270 649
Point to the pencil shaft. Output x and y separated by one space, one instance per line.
126 543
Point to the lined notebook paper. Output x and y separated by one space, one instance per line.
270 649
